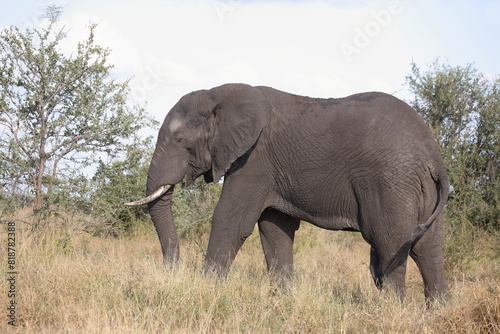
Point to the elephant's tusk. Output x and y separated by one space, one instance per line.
160 191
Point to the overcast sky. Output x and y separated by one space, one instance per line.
316 48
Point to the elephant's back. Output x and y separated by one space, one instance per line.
373 126
380 120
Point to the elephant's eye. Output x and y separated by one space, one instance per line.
177 137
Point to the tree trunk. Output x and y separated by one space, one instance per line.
41 167
38 188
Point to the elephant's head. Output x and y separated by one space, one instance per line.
203 134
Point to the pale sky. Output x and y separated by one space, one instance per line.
316 48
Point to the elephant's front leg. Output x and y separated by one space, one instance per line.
234 220
277 232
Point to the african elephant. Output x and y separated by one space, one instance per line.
364 163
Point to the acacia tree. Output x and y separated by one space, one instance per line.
462 108
58 111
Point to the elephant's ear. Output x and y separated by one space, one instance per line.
240 115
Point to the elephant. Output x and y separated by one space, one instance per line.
365 162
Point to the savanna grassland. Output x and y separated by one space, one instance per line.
85 284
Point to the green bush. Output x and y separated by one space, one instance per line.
462 108
193 208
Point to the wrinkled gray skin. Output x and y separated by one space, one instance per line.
364 163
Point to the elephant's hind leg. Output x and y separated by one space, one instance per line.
428 255
376 268
388 267
277 232
387 214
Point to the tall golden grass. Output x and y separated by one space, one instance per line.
86 284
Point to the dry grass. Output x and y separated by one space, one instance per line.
95 285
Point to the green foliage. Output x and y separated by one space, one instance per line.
116 182
462 108
193 207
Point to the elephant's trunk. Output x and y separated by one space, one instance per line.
164 173
160 209
163 220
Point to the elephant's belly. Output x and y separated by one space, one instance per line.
330 219
336 223
325 201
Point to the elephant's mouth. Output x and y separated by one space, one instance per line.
160 191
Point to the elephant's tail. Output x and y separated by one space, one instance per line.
442 186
